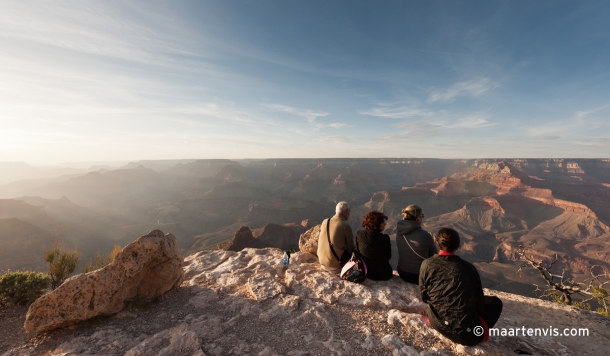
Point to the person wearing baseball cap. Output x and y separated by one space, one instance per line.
414 244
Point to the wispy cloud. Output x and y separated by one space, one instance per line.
400 112
581 121
337 138
417 124
440 118
423 129
310 115
472 88
471 122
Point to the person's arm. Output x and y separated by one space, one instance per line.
432 248
387 247
480 295
423 287
359 246
349 239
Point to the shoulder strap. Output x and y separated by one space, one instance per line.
328 237
407 241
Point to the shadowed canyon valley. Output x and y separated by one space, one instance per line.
556 206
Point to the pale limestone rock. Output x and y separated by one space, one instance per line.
267 351
259 274
177 339
341 347
297 353
413 321
303 257
311 281
203 260
148 267
218 307
397 346
103 338
265 286
269 314
304 279
308 242
369 341
472 350
289 301
203 298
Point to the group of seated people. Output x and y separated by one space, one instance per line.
449 285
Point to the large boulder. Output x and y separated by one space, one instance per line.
309 240
148 267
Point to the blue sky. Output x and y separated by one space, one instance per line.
119 80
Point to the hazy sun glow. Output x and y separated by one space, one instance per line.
103 81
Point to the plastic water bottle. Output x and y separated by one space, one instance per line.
285 258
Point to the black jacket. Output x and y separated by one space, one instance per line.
376 250
452 288
419 240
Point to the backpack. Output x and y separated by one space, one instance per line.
355 269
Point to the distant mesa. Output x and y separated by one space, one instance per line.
284 237
243 238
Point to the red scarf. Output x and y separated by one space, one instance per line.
445 253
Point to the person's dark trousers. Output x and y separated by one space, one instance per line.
409 277
493 309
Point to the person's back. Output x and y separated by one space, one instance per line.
452 288
375 246
414 244
341 238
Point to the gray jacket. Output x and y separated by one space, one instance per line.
421 241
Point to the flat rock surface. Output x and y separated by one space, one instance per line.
225 307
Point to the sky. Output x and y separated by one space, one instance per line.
131 80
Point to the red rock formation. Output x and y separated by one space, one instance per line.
243 238
486 202
378 200
308 223
338 181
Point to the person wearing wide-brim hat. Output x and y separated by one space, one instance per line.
414 244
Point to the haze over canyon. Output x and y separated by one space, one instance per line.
556 206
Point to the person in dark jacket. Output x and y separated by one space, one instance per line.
374 246
452 289
414 244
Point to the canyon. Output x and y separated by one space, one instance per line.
555 206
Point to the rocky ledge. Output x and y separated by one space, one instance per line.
248 303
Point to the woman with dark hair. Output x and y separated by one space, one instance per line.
452 288
374 246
